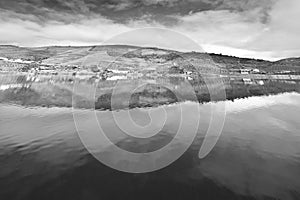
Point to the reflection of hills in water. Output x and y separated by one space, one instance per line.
93 93
146 96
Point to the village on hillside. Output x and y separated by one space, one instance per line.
115 72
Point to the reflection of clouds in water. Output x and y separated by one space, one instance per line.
246 172
241 105
279 123
252 158
258 153
36 127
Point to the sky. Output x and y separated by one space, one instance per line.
262 29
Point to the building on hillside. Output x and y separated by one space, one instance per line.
245 71
239 71
256 71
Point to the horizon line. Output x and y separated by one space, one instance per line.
98 45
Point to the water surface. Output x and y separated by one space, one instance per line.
256 157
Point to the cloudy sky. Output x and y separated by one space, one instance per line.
267 29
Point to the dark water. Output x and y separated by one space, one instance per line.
42 157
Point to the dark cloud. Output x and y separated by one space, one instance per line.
263 7
122 11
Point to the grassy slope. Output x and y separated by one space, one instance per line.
95 55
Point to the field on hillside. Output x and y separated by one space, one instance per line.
139 58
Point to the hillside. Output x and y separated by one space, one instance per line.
141 57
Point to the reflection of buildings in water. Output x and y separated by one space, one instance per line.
247 81
10 86
288 82
237 81
59 88
260 82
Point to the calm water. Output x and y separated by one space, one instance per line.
42 157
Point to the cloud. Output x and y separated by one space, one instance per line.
244 33
123 10
258 28
282 33
159 37
28 31
222 31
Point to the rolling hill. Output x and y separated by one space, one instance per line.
125 55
